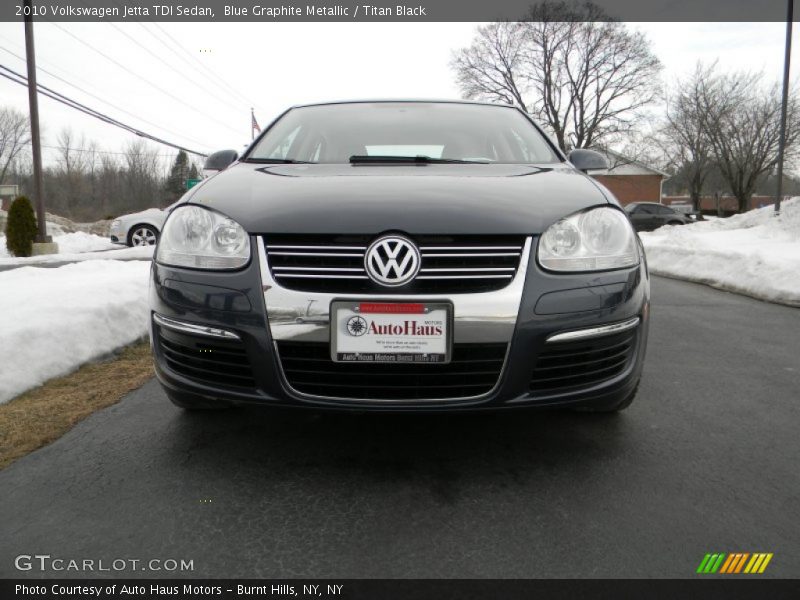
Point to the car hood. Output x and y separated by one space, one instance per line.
417 199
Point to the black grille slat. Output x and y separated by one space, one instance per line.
205 354
584 363
450 264
568 366
206 361
586 374
193 365
474 370
573 349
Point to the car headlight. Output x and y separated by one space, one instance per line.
115 224
594 240
200 238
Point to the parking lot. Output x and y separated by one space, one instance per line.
705 460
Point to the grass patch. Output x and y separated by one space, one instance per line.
43 414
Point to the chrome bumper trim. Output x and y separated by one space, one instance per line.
478 317
593 332
193 328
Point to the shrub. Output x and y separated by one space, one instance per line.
21 227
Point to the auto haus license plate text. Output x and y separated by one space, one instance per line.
391 332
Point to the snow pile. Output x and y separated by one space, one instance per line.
80 241
70 243
72 238
755 253
54 320
82 254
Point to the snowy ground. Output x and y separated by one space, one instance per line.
54 320
755 253
77 246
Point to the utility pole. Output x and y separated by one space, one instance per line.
33 102
782 141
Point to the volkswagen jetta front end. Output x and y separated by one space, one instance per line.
400 255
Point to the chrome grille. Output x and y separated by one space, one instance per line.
450 264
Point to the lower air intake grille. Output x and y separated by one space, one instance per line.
567 366
206 360
474 370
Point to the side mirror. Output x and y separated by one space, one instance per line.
588 160
221 160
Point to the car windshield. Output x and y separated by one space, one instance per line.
439 132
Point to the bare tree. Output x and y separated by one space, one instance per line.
73 168
741 117
688 145
587 78
143 174
494 67
15 135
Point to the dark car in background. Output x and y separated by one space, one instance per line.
400 255
647 216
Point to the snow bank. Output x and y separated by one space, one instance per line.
755 253
53 320
71 237
118 253
70 243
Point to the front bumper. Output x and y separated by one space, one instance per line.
525 316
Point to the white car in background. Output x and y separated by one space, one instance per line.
140 228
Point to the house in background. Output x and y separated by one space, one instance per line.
7 195
630 180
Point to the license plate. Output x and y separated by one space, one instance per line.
391 332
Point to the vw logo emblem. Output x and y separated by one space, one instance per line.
392 261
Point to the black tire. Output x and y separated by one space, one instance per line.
146 233
621 405
192 402
674 222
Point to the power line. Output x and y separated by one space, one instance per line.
181 101
225 85
58 97
221 85
106 102
94 151
169 66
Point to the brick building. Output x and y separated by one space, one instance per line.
630 180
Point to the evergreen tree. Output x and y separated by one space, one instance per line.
21 227
193 172
175 185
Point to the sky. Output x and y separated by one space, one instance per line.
195 83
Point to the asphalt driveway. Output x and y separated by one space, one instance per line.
705 460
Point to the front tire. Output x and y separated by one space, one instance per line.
142 235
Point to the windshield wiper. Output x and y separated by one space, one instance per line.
278 161
420 159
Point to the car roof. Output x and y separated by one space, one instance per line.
405 100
